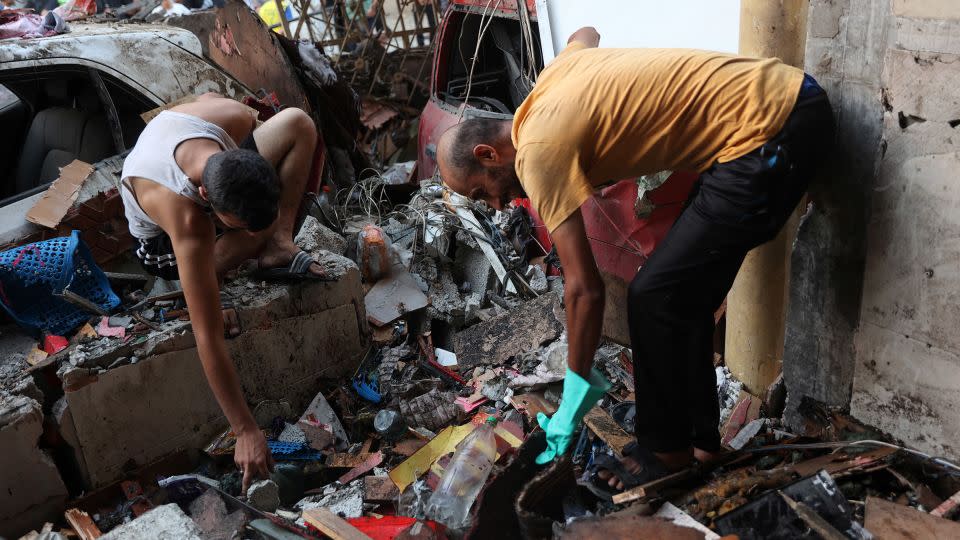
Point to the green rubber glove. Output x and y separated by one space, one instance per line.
579 396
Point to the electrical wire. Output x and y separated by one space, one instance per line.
476 53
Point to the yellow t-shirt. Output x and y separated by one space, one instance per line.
602 115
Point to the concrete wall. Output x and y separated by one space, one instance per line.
293 337
876 280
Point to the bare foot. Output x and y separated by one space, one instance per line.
277 255
629 464
672 461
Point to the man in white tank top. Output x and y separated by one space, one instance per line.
186 178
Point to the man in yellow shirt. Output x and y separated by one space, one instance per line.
755 130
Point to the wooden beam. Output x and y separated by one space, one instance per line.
332 525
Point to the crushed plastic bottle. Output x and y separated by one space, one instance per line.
465 476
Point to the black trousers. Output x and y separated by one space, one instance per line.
734 207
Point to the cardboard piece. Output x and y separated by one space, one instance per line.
60 196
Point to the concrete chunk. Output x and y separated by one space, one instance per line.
522 329
165 522
32 489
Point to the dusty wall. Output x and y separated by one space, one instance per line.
876 280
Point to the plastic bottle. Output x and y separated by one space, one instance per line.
464 477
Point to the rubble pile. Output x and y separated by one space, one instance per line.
466 331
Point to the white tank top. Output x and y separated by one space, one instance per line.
152 159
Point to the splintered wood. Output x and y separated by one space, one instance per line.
82 523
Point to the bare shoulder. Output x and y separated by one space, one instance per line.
234 117
175 214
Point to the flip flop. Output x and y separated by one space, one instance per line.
298 269
650 469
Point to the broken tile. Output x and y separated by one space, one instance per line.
393 296
379 489
366 466
321 411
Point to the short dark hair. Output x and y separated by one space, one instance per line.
467 136
242 183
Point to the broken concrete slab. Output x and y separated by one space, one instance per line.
32 489
522 329
167 521
293 335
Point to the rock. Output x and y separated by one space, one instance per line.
264 495
165 522
314 236
209 512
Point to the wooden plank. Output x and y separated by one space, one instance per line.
641 492
891 521
332 525
84 526
604 426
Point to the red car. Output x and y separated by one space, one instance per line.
621 237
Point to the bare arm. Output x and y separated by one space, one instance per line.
192 235
583 293
587 35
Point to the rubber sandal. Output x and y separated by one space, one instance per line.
650 469
298 269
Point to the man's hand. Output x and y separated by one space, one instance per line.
587 35
252 456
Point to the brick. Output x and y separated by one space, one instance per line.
90 211
113 204
80 222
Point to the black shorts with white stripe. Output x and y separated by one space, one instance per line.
157 258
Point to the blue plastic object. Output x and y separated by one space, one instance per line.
282 450
33 278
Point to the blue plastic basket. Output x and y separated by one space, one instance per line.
34 277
